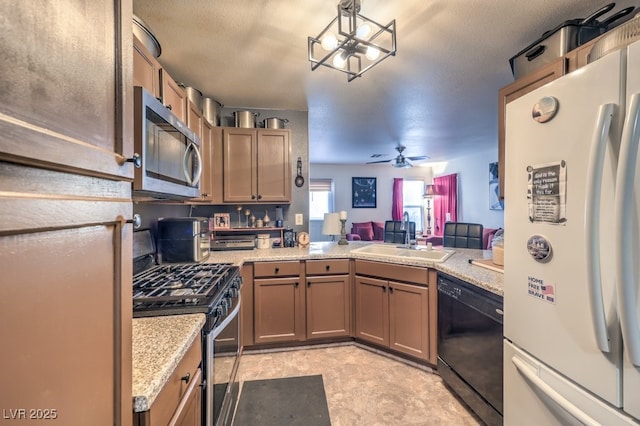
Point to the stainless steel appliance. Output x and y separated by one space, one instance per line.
233 242
470 345
208 288
170 164
183 239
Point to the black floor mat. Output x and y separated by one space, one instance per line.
288 401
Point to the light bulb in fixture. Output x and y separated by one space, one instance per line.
340 60
363 30
372 53
329 42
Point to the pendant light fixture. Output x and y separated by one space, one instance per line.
352 43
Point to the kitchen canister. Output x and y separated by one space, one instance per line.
263 241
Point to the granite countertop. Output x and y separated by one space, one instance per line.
457 265
159 344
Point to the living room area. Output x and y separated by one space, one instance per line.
348 189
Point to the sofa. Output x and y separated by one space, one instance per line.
366 231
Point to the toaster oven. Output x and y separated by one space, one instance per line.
183 239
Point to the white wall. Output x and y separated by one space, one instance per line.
342 174
473 187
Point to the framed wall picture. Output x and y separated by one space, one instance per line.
221 220
363 193
495 203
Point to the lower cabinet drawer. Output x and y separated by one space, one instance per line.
276 269
327 267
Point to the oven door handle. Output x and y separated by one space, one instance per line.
218 329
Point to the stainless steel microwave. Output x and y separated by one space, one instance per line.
171 164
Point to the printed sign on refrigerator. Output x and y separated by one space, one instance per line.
536 287
547 192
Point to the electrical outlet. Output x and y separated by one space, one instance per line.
298 218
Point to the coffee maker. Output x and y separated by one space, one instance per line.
289 238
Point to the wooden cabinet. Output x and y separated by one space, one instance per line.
328 298
396 315
180 400
146 68
279 308
148 73
256 166
65 243
513 91
194 119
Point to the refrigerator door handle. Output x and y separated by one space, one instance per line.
592 223
624 215
554 395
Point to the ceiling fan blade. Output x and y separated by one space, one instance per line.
419 157
381 161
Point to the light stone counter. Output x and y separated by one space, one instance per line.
159 344
457 265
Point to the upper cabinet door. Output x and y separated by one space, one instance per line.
63 89
274 166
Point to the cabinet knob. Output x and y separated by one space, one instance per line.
390 289
253 197
136 221
308 283
327 267
384 289
186 378
297 283
259 197
169 107
277 270
136 160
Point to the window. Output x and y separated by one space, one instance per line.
412 199
320 198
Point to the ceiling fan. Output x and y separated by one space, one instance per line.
401 161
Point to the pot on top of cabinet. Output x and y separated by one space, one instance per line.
211 110
246 119
275 123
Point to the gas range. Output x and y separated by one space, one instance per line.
186 288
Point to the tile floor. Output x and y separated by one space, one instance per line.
364 387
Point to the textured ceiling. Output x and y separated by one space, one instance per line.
438 96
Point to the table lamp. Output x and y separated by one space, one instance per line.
429 193
331 225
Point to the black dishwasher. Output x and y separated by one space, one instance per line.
470 345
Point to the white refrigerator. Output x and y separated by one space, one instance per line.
572 248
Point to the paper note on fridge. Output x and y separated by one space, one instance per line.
547 192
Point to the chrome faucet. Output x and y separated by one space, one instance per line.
405 228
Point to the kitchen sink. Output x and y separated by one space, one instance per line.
389 250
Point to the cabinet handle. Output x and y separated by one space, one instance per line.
277 270
253 197
204 195
390 289
384 289
308 283
327 267
136 160
259 197
169 107
297 284
186 378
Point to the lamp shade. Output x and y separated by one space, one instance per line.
430 190
331 224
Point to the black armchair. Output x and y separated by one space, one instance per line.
393 232
462 235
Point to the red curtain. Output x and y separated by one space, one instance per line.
445 202
396 203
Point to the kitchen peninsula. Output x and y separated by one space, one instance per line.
332 255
